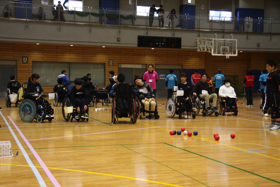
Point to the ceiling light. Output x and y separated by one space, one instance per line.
241 51
103 46
37 43
153 48
71 45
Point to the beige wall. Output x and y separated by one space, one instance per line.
257 4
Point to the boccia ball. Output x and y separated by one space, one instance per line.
162 103
232 136
195 133
241 103
171 132
185 132
174 132
215 135
179 132
189 134
217 138
183 129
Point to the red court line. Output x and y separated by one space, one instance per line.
47 171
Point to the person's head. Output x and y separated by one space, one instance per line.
40 8
138 81
60 80
121 78
184 77
153 6
12 77
150 67
111 73
171 70
161 6
249 72
64 72
112 80
227 82
78 83
264 71
271 65
89 76
59 2
219 71
204 77
34 78
173 11
196 71
7 7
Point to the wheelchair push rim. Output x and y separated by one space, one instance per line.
27 110
171 108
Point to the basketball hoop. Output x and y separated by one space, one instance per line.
227 55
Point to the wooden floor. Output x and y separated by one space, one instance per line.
96 153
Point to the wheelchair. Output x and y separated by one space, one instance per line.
30 110
202 105
223 107
175 105
123 104
142 112
59 96
103 95
69 111
11 98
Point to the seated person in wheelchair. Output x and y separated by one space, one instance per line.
145 95
228 95
79 98
13 85
60 88
201 90
33 86
109 87
187 100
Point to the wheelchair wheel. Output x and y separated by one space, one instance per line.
27 110
197 106
134 114
55 101
50 119
113 111
7 101
194 115
138 108
66 103
170 108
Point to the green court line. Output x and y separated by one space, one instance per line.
101 121
91 146
223 163
165 166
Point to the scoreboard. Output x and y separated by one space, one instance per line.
159 42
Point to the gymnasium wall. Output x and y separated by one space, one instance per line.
189 59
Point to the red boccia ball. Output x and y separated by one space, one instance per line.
215 135
189 134
183 129
217 138
171 132
232 136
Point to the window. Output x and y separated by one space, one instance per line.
219 15
144 11
71 4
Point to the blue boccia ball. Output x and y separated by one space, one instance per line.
174 132
179 132
195 133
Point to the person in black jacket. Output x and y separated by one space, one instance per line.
33 86
79 98
111 84
13 85
151 15
201 89
160 12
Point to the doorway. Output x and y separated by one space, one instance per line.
129 70
7 68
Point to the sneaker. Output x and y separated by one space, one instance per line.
247 106
209 109
189 116
85 115
251 106
78 116
266 115
186 116
214 109
269 126
51 116
47 116
275 127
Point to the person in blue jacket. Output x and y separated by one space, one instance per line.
262 80
171 81
218 79
65 81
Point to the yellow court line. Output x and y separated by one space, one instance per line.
275 158
97 173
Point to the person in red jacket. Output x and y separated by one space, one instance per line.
195 77
249 86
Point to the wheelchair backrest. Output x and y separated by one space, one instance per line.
24 86
124 91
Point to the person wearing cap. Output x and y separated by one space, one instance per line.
145 95
151 15
79 98
218 79
160 12
195 77
228 93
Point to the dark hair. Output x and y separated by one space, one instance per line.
173 10
121 77
204 74
161 6
151 65
219 71
112 72
33 76
264 71
88 74
60 80
111 80
12 77
63 71
135 78
171 70
249 72
271 63
184 75
196 70
78 81
227 80
153 5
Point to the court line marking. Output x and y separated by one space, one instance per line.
223 163
107 132
98 173
166 166
55 121
259 129
221 144
101 121
27 158
47 171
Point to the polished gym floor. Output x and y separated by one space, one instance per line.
97 153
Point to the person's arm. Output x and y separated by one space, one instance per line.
72 96
166 82
144 77
41 89
175 15
28 89
244 81
150 89
233 92
156 77
192 80
176 80
175 83
113 91
195 89
55 88
67 80
222 92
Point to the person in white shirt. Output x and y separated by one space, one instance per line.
228 94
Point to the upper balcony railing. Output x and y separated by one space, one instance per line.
47 13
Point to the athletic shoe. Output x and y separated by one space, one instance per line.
269 126
248 106
276 127
78 116
251 106
209 109
214 109
47 116
189 117
186 116
51 116
85 115
266 115
261 107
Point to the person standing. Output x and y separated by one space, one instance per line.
249 86
171 17
151 77
160 12
218 79
65 81
112 75
195 77
151 15
171 81
262 80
